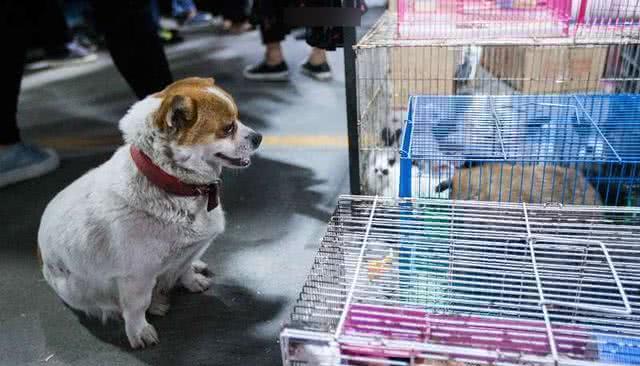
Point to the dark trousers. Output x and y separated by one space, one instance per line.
130 35
52 32
268 15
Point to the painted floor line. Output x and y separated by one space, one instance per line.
74 142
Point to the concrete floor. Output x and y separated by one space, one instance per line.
277 210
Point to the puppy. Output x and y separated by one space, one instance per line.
521 183
382 173
118 239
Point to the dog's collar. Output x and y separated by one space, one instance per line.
173 185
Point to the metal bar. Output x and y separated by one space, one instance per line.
595 125
358 267
545 312
349 36
614 273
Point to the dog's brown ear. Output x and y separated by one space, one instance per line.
211 80
181 112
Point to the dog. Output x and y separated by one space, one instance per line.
118 239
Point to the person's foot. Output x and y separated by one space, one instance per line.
197 20
236 27
265 72
73 53
21 162
319 72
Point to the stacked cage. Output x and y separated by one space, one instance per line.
416 282
567 148
471 49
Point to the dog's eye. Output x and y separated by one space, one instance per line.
228 130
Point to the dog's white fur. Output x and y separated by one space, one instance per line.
113 244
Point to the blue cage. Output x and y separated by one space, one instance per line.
578 149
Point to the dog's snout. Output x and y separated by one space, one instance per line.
256 139
385 171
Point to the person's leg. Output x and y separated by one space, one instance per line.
14 54
235 14
317 56
182 7
52 33
186 12
273 54
132 39
316 65
273 31
17 160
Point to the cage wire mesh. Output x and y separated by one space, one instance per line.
587 20
443 282
390 69
579 149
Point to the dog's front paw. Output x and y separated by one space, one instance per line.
196 282
200 267
144 337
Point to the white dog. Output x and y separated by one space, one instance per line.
118 239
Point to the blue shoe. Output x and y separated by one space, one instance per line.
21 162
199 20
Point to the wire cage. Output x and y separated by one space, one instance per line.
583 20
606 19
579 149
389 70
443 282
472 19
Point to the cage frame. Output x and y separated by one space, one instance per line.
333 333
615 138
383 88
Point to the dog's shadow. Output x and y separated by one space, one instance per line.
212 328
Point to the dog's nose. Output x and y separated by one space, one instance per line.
256 139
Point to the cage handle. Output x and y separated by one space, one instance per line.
561 239
597 128
496 121
531 238
404 152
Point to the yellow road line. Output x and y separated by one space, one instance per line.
305 141
76 142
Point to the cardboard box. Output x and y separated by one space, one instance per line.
547 69
422 70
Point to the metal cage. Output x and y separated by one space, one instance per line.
584 20
390 69
419 19
444 282
580 149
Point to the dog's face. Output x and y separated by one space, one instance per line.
202 123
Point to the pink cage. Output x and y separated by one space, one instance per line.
607 18
472 19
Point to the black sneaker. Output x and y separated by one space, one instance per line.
266 72
318 72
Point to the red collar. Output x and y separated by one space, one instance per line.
171 184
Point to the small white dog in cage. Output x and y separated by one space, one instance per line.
118 239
